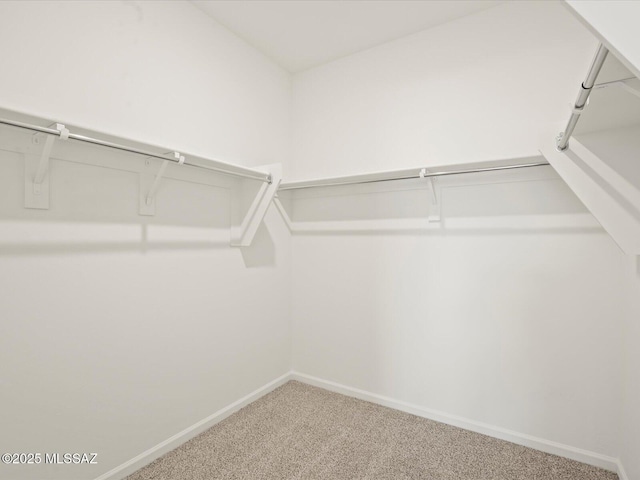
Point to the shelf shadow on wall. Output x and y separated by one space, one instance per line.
101 247
260 254
55 238
457 232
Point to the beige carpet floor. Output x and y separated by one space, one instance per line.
302 432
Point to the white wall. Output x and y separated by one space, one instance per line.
506 313
118 331
619 150
484 87
157 72
502 315
631 380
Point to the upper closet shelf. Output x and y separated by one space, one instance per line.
216 165
431 172
251 199
599 165
425 176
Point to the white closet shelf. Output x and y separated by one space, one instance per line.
431 180
253 188
406 174
605 179
208 164
612 199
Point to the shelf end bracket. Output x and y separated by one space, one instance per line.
36 173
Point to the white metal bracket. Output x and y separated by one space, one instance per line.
629 88
434 204
36 171
149 185
626 87
620 84
249 205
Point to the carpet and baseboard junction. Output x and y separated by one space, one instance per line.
299 431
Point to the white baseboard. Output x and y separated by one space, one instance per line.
555 448
567 451
622 474
179 438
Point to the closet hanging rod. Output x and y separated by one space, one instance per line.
399 175
215 165
562 140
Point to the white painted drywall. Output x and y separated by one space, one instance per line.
131 329
510 313
119 331
296 34
155 72
619 150
631 380
484 87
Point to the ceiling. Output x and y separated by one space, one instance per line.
303 34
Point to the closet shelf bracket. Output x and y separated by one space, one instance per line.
250 204
620 84
36 187
151 183
432 199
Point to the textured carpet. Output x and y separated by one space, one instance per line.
302 432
